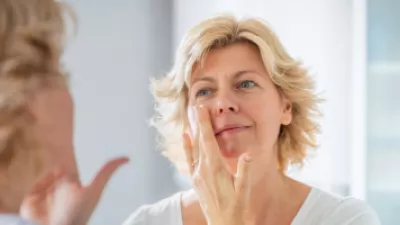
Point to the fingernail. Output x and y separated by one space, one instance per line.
197 109
247 158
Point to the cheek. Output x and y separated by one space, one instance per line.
267 120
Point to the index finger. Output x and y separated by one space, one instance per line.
208 143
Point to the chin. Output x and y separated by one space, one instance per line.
231 154
231 159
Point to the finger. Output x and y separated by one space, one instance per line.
198 157
189 153
100 181
202 162
242 184
208 143
195 145
47 181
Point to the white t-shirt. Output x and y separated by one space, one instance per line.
13 219
319 208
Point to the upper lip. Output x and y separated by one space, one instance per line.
228 127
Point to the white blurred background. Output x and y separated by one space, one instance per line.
351 46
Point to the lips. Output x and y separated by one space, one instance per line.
228 129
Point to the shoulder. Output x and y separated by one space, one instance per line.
165 212
333 209
353 211
8 219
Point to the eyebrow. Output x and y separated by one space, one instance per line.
236 75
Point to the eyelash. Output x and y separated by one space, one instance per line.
198 94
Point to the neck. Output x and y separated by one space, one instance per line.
275 198
269 193
60 155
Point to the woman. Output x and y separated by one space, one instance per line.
36 121
245 110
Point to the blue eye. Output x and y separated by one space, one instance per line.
247 84
203 92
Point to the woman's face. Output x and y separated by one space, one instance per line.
245 107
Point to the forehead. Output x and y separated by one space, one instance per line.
228 60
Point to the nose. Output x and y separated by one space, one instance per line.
225 103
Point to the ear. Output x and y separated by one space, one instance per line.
286 117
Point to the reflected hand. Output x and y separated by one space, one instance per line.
61 199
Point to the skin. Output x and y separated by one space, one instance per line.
232 87
52 108
58 196
52 111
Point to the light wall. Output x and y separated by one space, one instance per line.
119 45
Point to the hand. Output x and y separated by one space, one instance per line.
223 197
61 199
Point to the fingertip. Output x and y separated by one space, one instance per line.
115 163
243 164
201 107
105 173
247 158
199 112
122 160
198 106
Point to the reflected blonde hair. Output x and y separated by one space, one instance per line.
31 44
288 74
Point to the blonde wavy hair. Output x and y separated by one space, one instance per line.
289 75
31 44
